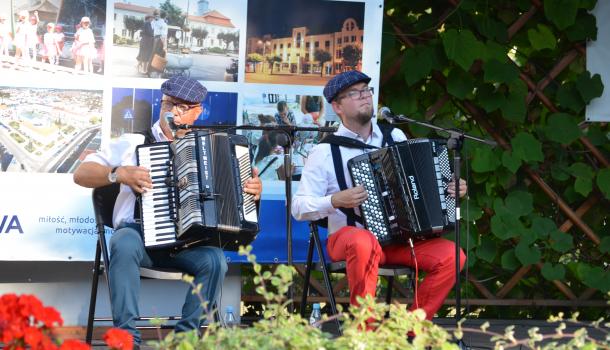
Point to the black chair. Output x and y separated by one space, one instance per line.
103 205
387 270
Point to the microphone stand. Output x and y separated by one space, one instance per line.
290 132
454 143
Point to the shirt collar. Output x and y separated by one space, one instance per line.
343 131
158 132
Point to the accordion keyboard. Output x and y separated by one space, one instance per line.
371 209
157 206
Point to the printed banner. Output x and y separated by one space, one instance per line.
76 74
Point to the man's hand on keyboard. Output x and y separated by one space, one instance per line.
254 185
136 177
350 198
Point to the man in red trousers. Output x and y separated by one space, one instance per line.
320 195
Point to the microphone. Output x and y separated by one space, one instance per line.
169 119
386 114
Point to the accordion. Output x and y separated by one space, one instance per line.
197 196
406 185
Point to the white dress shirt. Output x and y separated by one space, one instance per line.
319 182
120 152
159 27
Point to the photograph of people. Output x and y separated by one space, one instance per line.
311 41
63 37
197 39
281 109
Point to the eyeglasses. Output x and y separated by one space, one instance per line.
180 107
359 94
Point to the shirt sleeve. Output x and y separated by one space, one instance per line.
312 202
398 135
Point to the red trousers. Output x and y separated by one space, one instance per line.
363 255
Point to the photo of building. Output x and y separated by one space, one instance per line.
199 40
309 44
48 130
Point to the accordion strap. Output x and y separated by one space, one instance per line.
352 218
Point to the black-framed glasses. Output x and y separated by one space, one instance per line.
180 107
359 94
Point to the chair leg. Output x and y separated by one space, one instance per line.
308 267
106 259
388 296
329 287
93 298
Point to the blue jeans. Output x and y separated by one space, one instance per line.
127 254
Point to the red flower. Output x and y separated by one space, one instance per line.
50 317
118 339
26 323
73 344
33 337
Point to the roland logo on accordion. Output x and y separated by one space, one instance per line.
414 187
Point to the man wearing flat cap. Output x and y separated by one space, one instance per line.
326 191
116 163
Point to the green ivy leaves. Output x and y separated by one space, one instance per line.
553 272
460 84
462 47
562 128
500 72
561 12
420 61
589 87
603 181
527 148
594 276
584 178
542 38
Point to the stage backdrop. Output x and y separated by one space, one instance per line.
73 77
598 56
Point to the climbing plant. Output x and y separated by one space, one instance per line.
514 71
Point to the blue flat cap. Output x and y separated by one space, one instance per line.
187 89
342 81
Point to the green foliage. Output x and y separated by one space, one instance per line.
364 327
462 47
507 78
542 38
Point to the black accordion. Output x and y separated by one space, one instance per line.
406 185
197 196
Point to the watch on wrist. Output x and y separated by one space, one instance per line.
112 175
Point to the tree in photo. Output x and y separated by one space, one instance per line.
132 24
322 56
271 60
254 58
351 56
173 13
234 39
200 34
